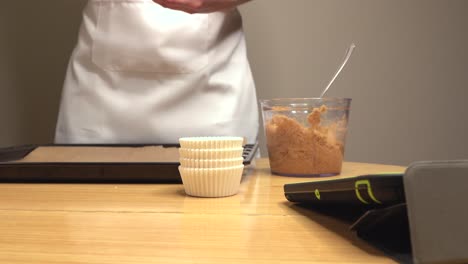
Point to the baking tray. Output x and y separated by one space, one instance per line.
137 163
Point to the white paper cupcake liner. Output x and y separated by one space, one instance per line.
218 182
211 142
210 163
210 153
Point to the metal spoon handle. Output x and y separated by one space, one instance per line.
349 51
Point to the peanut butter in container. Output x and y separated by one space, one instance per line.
306 136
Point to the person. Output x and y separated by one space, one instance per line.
147 71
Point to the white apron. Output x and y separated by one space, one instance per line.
141 73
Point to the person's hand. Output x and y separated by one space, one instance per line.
200 6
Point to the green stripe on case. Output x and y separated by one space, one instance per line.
369 191
317 194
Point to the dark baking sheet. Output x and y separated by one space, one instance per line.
15 165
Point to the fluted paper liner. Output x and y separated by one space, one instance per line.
210 163
210 153
211 142
219 182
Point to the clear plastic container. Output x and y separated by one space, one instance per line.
306 136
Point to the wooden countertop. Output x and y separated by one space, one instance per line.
158 223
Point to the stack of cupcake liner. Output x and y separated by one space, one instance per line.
211 166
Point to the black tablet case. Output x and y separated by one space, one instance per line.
421 218
373 205
366 190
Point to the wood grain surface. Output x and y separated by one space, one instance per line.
158 223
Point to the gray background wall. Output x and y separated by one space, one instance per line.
408 76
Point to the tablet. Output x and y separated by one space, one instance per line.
368 190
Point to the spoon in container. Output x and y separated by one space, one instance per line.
349 51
